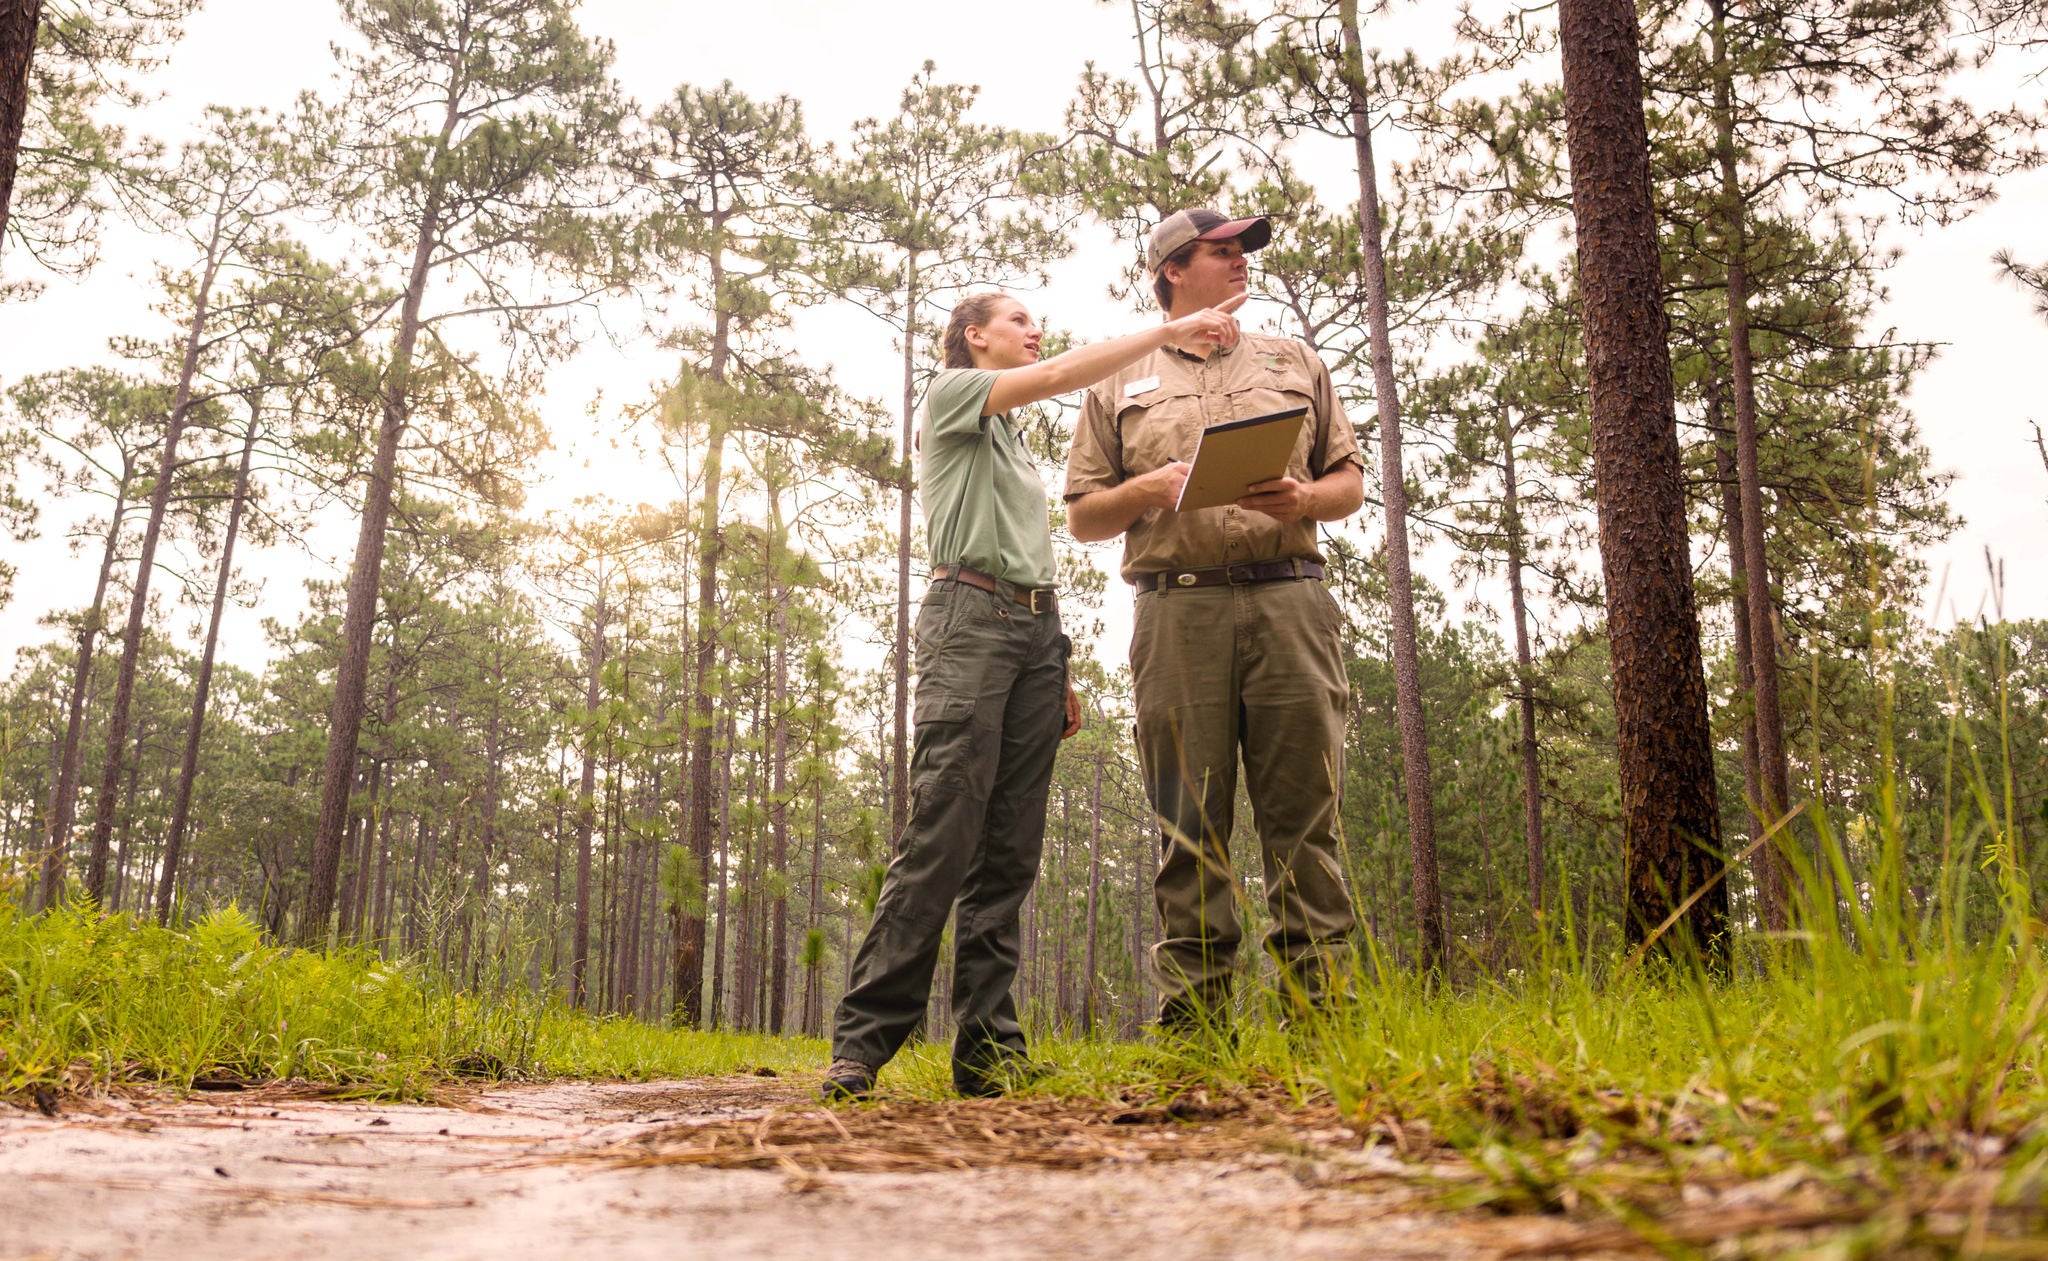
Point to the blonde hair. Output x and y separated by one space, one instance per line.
972 312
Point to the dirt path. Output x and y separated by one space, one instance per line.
548 1171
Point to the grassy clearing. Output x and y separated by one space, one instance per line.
88 1002
1880 1068
1880 1077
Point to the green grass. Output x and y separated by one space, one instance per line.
89 1001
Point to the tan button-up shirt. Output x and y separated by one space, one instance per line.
1152 413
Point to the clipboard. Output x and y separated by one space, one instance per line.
1229 458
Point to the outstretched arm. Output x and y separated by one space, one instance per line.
1083 366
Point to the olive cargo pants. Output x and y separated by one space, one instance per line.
1255 671
991 703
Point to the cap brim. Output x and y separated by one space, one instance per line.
1252 233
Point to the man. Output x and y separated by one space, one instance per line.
1235 651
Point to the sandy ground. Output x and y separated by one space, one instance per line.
507 1175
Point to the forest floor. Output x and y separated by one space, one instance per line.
735 1168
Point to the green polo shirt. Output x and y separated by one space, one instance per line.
984 502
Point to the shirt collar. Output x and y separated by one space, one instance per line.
1215 352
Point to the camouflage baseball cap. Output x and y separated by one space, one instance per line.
1183 226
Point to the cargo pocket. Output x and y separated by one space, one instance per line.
944 741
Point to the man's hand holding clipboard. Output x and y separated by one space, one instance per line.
1280 499
1244 462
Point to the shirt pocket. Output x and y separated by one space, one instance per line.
1158 427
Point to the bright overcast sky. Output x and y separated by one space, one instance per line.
847 61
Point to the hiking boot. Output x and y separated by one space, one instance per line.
1009 1071
847 1081
1187 1026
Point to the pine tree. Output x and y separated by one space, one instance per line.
1664 751
476 133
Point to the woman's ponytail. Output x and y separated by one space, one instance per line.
972 312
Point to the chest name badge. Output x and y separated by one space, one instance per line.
1140 386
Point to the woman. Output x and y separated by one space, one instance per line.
992 701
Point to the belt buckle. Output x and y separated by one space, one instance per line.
1231 575
1032 603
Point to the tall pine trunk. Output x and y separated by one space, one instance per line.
724 870
1765 866
586 811
1756 585
1664 747
1525 671
145 564
1415 778
778 788
689 951
188 766
366 575
64 800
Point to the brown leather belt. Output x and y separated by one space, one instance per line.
1037 599
1230 575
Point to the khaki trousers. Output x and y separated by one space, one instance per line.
1252 672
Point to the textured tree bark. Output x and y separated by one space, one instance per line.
1415 777
188 767
19 21
1664 747
1525 670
